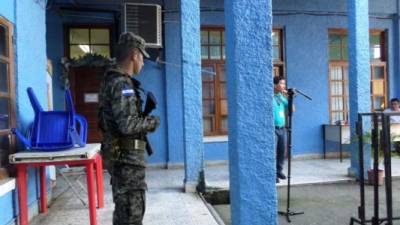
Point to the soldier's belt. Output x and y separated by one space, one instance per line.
130 143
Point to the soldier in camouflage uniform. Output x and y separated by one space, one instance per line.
124 130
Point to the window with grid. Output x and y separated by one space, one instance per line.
215 108
338 73
378 70
84 40
7 92
277 52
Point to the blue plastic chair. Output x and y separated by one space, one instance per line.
54 130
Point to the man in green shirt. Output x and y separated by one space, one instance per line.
280 104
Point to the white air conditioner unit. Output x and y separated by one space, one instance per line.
145 21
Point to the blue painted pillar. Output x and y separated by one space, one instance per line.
173 82
394 87
359 74
252 169
192 99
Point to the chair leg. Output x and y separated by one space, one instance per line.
70 185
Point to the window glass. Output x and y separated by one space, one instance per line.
208 124
79 36
4 113
222 73
3 77
345 41
336 88
336 116
378 102
215 37
334 39
224 107
208 90
275 38
215 109
3 40
337 73
4 149
375 39
223 90
89 40
204 52
207 73
101 50
345 53
276 55
378 87
99 36
224 124
335 53
204 37
208 107
379 72
6 91
77 51
215 52
337 103
375 53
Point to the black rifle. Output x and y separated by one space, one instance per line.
150 105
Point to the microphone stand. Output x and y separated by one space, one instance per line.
291 93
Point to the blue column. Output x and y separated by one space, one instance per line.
192 99
359 73
395 81
251 128
173 82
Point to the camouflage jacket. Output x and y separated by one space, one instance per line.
120 115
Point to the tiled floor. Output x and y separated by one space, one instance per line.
303 172
168 205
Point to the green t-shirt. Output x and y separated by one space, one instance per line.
280 103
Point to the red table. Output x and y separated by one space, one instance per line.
87 156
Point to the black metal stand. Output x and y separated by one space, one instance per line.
291 91
384 143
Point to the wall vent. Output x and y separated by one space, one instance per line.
145 21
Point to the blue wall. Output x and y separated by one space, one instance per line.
30 57
306 45
152 77
305 25
28 18
7 201
7 10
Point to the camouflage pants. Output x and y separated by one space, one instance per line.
129 194
129 208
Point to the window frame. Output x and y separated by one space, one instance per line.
385 84
216 64
68 27
11 90
373 63
279 65
345 96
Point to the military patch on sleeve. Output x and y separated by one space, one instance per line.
127 92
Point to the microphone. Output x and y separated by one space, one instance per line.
295 91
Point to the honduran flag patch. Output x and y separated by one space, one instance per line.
127 92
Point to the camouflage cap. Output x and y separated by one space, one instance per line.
131 40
